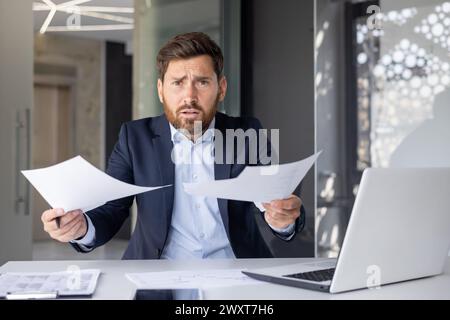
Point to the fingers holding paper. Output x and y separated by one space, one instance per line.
71 225
281 213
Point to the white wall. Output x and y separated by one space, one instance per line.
16 95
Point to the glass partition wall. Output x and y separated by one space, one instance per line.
382 98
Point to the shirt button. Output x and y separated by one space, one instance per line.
202 235
197 206
195 177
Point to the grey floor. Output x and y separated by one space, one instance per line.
53 250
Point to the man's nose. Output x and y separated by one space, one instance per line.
191 94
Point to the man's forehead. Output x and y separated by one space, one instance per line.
200 66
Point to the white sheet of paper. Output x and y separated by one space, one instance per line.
76 184
190 279
66 283
256 184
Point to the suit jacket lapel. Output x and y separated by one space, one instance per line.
222 170
163 144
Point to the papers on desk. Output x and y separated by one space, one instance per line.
256 184
76 184
190 279
66 283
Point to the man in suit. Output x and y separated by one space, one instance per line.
172 149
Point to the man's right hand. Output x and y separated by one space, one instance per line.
72 225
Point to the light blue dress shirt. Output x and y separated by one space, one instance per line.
196 230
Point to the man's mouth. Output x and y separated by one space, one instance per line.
190 113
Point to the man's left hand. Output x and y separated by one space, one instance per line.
281 213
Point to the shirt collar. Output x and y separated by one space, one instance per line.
208 135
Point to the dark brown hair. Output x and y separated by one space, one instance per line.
189 45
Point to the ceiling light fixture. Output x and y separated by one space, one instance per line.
92 28
37 6
99 15
72 3
50 16
71 7
106 9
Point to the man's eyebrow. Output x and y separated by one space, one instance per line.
202 78
177 78
196 78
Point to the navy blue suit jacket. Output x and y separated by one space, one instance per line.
142 156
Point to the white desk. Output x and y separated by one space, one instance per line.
113 284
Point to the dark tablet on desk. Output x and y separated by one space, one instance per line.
169 294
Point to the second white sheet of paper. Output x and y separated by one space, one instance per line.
257 183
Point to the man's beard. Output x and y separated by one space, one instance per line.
188 124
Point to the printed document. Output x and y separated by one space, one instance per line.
66 283
76 184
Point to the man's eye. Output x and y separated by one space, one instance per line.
204 82
176 83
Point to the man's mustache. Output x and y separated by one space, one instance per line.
190 106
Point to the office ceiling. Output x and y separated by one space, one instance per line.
114 16
171 15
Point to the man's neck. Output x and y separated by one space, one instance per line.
197 131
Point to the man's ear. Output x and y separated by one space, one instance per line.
160 90
222 88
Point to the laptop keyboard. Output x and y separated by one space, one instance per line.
316 276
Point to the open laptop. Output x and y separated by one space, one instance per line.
399 230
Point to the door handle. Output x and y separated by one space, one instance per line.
22 161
